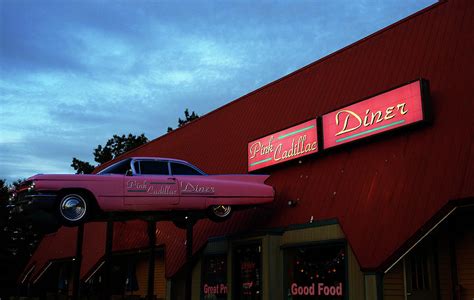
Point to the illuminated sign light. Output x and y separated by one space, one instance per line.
399 107
384 112
282 146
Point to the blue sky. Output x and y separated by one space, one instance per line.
73 73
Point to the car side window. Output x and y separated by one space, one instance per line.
182 169
153 167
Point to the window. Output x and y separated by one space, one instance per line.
182 169
247 268
214 277
120 168
420 273
316 272
153 167
420 279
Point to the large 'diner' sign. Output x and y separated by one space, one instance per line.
386 111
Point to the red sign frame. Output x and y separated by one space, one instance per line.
398 107
283 146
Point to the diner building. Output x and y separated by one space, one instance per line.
370 151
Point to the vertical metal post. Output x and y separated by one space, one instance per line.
189 254
151 261
453 259
109 237
76 281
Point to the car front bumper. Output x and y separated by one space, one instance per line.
36 200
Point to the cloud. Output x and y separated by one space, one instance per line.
75 73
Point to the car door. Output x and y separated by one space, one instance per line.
152 187
194 187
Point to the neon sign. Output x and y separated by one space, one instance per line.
285 145
396 108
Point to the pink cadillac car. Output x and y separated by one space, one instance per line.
143 184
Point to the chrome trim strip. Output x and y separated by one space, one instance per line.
28 273
40 195
95 271
42 272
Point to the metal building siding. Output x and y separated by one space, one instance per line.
93 248
130 235
62 244
382 190
49 249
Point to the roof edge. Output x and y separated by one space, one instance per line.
424 231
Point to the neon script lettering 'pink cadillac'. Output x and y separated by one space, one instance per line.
285 145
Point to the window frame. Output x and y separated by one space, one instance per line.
170 173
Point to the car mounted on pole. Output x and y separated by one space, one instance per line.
140 187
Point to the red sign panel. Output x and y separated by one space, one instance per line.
285 145
393 109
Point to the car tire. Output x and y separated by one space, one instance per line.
219 213
73 209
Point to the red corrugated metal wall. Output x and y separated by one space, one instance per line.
382 191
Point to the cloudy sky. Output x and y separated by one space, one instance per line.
73 73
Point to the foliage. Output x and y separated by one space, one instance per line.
188 118
114 147
3 190
18 237
118 145
82 167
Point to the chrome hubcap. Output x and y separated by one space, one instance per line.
222 211
73 207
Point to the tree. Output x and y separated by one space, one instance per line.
3 190
188 118
19 238
114 147
82 167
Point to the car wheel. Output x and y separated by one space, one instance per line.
219 213
73 209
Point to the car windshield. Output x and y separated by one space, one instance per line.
121 168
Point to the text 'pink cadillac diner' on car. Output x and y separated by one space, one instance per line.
143 184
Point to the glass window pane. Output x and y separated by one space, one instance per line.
181 169
316 272
214 277
154 167
247 272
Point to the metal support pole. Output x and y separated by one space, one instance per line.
151 261
109 237
189 254
76 282
453 260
